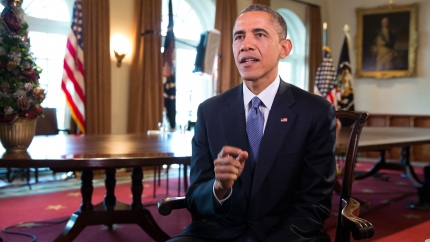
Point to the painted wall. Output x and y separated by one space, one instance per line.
121 24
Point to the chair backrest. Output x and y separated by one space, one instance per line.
191 125
47 125
347 221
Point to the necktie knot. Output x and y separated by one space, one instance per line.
256 102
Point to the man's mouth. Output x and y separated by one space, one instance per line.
248 60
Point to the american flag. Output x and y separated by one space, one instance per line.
326 78
169 71
73 84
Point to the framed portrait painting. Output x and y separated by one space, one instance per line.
386 41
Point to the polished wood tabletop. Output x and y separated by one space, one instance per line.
380 138
102 151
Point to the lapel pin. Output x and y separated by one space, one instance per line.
284 120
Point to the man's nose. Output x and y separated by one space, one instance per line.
247 44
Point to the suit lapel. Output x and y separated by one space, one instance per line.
234 120
281 117
235 129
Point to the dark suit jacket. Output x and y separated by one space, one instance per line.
289 197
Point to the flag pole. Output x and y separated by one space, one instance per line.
325 34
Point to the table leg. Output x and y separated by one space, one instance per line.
136 188
110 182
78 220
185 177
110 199
179 181
8 174
115 212
422 189
155 180
404 166
380 164
144 218
87 190
409 170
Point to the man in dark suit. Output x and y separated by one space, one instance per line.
282 190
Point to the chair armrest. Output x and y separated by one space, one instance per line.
166 205
360 228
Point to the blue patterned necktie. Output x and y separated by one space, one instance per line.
254 129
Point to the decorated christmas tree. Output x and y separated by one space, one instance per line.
20 92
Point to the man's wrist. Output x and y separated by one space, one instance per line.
220 193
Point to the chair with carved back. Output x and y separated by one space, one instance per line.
348 221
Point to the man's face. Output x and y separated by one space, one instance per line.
257 46
384 22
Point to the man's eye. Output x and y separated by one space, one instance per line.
260 35
238 37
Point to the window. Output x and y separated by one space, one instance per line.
49 24
292 68
191 19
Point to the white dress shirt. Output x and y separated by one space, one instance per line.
266 96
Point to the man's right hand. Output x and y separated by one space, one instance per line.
228 167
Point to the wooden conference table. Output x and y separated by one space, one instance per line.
89 152
383 138
108 152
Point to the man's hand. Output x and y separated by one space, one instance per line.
228 167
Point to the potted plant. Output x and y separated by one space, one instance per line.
20 91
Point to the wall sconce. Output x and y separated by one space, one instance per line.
121 47
119 58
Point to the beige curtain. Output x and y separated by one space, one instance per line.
225 16
145 100
313 43
96 30
264 2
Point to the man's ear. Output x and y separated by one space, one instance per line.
286 47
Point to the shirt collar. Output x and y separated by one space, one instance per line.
266 96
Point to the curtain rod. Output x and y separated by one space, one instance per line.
306 3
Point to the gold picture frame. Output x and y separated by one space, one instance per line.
386 41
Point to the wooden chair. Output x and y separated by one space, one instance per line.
48 125
347 221
157 173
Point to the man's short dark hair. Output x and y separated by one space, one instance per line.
282 25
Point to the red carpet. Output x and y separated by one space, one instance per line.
387 212
28 211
